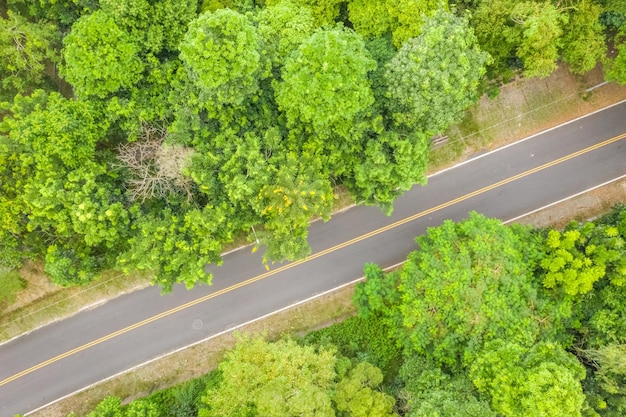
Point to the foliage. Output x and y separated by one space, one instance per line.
533 35
541 27
156 25
616 68
583 38
221 54
370 339
109 407
176 248
575 259
403 19
273 379
498 35
432 392
283 27
325 85
25 49
605 386
543 380
434 77
297 193
100 58
356 393
469 283
61 12
53 186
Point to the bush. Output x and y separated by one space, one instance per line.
10 284
367 339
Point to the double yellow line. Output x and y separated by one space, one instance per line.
312 257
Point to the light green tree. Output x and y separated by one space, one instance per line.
283 27
156 25
297 191
583 39
325 85
221 53
357 396
578 257
435 76
542 381
176 247
403 19
109 407
273 380
100 58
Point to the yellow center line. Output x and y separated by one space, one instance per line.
312 257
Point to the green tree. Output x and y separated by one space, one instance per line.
616 67
221 53
583 39
390 164
356 394
273 380
100 58
469 283
542 381
498 35
283 27
605 387
541 27
61 12
431 392
434 77
25 49
325 85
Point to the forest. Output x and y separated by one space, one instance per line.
483 320
146 135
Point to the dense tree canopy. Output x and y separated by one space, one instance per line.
260 110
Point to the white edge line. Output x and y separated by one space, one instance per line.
232 329
527 138
565 199
358 279
474 158
280 310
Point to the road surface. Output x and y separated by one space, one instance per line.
67 356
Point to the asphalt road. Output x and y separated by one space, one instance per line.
67 356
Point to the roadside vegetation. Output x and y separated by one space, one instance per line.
146 137
483 320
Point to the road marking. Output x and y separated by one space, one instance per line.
312 257
296 304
